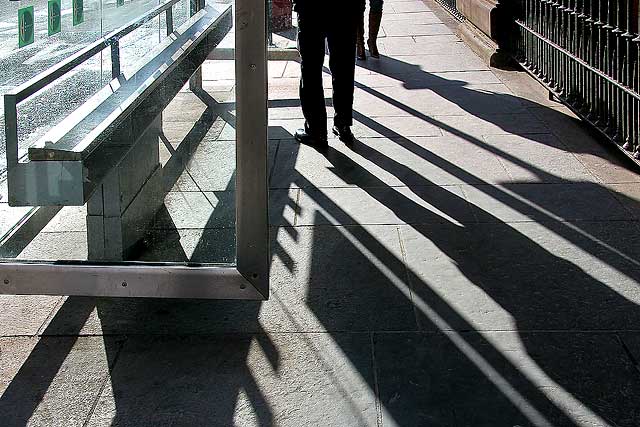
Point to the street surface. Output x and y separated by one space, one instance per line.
471 260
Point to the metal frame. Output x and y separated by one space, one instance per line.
248 280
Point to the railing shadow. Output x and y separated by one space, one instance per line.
191 363
186 345
490 107
541 290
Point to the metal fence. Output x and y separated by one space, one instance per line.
452 7
587 53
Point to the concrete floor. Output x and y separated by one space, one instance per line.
471 261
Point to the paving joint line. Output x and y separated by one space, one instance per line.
50 316
105 380
376 382
629 354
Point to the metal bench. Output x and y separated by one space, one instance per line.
106 153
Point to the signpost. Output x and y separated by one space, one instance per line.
55 17
78 12
25 26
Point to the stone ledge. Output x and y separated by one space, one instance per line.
483 46
481 13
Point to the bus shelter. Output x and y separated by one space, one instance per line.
134 164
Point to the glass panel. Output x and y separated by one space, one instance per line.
139 168
282 26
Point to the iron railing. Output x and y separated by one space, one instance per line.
452 7
586 52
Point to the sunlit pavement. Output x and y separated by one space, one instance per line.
472 260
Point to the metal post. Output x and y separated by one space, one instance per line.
251 136
115 59
195 82
169 21
11 130
270 22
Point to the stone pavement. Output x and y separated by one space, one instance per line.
471 261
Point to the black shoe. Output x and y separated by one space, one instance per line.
361 53
306 138
344 134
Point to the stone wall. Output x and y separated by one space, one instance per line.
487 25
480 13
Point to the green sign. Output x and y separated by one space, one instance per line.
78 12
55 17
120 3
26 28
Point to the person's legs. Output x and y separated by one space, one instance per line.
342 43
311 44
361 54
375 18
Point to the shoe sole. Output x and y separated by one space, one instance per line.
314 144
349 141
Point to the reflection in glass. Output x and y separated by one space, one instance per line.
157 182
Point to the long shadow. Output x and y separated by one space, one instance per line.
168 360
475 102
199 376
542 291
491 107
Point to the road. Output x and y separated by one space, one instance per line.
38 114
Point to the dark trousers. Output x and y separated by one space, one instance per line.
340 34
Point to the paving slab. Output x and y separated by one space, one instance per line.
403 29
528 276
408 7
70 218
524 162
208 128
505 379
522 202
364 127
24 315
474 128
629 196
419 101
419 161
15 351
541 202
421 17
10 216
546 283
415 64
57 382
443 44
382 206
63 246
271 379
471 260
427 80
202 246
610 167
225 70
333 279
197 210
